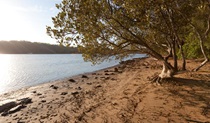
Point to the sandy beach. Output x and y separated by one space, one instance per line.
120 94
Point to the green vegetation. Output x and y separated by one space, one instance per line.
159 28
23 47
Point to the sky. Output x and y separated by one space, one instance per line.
27 19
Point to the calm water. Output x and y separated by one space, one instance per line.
17 71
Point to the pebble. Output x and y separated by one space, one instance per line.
72 80
64 93
84 76
75 93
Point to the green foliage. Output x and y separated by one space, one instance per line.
192 47
107 28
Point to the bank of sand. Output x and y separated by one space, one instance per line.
122 94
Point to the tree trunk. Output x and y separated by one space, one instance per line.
174 56
167 71
201 65
201 39
183 58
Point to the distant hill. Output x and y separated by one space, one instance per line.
24 47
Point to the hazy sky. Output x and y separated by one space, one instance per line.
26 19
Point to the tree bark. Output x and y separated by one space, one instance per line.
201 39
167 71
183 56
174 56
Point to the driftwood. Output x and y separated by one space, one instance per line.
14 106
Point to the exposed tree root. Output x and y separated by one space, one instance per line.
155 79
201 65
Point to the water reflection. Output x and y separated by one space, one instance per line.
5 64
17 71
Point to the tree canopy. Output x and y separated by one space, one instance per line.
105 28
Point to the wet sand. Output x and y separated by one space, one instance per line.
120 94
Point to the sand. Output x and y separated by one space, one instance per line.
121 94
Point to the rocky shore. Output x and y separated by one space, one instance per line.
121 94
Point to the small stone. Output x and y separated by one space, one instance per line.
79 88
89 83
43 101
107 78
84 76
75 93
98 86
54 87
38 94
72 80
34 92
64 93
106 74
115 69
106 71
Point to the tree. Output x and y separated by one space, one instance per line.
106 28
201 27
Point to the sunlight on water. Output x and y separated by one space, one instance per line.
23 70
5 64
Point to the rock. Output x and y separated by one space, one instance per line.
25 100
107 78
16 109
106 74
106 71
79 88
112 74
72 80
89 83
96 77
84 76
122 62
75 93
54 87
98 86
34 92
64 93
115 69
20 122
43 101
13 107
38 94
6 107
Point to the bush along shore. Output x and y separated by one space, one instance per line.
121 94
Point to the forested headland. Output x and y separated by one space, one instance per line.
25 47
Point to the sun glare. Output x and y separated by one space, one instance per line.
11 22
4 73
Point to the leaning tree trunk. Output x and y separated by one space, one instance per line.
167 72
201 39
202 50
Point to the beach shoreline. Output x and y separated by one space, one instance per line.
121 93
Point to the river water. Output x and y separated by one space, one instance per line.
18 71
